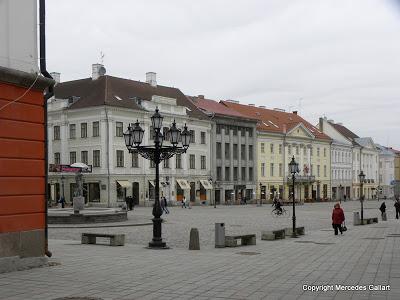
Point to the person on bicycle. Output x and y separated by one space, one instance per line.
278 206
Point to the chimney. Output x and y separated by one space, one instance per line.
321 124
295 112
200 96
340 124
97 71
262 106
151 78
331 121
56 76
252 104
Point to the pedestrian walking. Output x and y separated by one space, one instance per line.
184 202
337 218
62 201
344 198
383 209
397 207
164 205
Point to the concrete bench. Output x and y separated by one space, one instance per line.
273 235
115 239
247 239
299 231
375 220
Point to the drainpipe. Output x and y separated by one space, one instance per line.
108 156
48 94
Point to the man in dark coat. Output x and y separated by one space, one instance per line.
397 207
382 208
337 218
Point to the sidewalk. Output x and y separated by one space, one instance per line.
364 255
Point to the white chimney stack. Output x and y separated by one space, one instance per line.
97 71
56 76
151 78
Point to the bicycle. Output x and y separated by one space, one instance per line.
276 213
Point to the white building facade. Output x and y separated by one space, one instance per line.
83 129
341 161
386 172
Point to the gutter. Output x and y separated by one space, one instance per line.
48 94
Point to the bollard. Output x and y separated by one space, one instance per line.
194 242
219 235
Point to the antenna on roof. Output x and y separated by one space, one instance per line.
102 57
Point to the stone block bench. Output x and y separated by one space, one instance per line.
247 239
115 239
273 235
299 231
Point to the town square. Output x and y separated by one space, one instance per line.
199 149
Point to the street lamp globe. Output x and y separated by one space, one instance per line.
137 134
293 166
174 134
128 137
361 176
185 134
157 120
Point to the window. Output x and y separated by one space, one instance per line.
192 136
72 157
56 133
235 173
227 174
324 171
242 131
243 173
83 130
250 130
72 131
304 151
119 128
311 152
243 152
96 158
152 164
289 149
262 148
120 158
280 149
192 161
272 148
57 159
311 170
235 130
318 169
166 134
166 163
250 152
318 152
178 161
203 137
250 173
235 151
324 152
84 157
219 173
272 170
297 150
95 129
262 169
218 129
227 153
219 150
280 170
203 162
135 160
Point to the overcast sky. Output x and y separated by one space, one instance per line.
336 58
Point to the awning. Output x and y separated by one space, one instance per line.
124 183
183 184
206 184
152 182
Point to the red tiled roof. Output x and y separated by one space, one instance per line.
275 121
345 131
212 106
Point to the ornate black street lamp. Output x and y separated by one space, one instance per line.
157 153
340 193
261 193
294 169
362 178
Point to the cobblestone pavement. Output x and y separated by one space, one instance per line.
362 256
237 219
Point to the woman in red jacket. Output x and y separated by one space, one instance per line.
337 218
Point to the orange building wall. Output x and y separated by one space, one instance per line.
22 173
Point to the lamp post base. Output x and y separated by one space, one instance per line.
294 235
157 245
157 242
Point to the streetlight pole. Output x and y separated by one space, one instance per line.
293 169
157 153
362 177
260 194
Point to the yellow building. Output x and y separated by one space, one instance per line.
281 136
